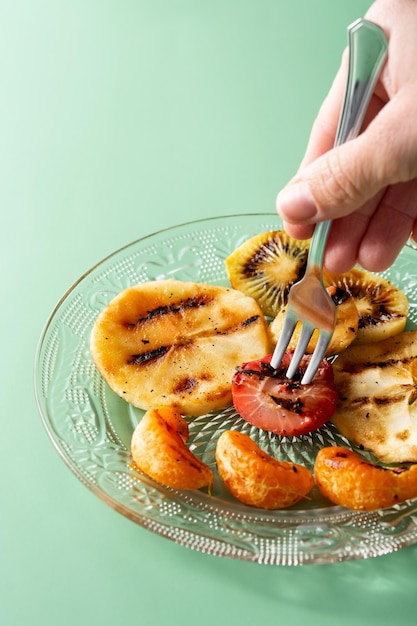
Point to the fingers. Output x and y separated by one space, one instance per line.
374 235
321 140
368 186
334 185
389 227
298 231
346 236
345 178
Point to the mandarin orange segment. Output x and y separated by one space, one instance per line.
344 478
158 448
257 479
174 420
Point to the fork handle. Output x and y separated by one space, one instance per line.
368 48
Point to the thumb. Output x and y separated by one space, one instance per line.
344 178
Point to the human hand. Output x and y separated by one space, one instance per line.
368 185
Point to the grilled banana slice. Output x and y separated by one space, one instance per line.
377 389
382 307
174 343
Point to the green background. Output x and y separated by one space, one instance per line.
118 118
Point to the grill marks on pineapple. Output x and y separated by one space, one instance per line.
186 385
358 368
179 308
378 401
154 316
146 357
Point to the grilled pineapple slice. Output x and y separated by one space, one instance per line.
377 388
346 328
382 307
172 343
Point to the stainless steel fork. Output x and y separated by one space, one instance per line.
308 300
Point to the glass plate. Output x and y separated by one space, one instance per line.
91 427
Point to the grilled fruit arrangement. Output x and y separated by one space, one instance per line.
257 479
177 344
159 449
178 349
377 389
347 321
346 479
266 266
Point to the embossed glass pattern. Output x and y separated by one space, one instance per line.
91 427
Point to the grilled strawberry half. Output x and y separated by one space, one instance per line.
266 398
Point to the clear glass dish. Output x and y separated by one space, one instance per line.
91 427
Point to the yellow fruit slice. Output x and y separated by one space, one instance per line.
266 266
347 319
377 388
177 344
257 479
382 307
159 450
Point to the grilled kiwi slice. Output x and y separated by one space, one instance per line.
266 266
346 328
382 307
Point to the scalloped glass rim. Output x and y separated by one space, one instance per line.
90 427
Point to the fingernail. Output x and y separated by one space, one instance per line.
295 203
